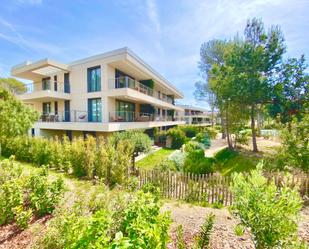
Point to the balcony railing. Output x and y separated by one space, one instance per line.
67 116
127 82
46 86
127 116
117 116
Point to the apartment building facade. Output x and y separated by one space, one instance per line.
98 95
195 115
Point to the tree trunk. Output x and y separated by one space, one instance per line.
254 144
212 116
223 126
228 135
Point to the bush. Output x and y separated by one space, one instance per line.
178 137
88 157
134 223
189 130
197 163
203 237
21 195
295 150
204 139
160 137
192 146
178 158
211 132
225 154
269 212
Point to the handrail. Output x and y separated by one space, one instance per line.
50 85
128 82
130 116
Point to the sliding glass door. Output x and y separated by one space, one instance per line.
95 110
125 110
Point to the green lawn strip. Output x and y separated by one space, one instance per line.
228 162
153 159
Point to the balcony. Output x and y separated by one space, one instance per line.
126 116
69 116
48 89
127 82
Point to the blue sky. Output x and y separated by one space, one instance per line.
165 33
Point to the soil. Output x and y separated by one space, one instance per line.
223 236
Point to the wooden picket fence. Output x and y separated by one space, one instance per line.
207 188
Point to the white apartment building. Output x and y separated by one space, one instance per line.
195 115
97 95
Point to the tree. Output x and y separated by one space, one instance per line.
291 91
15 117
13 85
251 65
137 138
211 54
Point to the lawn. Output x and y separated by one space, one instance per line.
153 159
228 162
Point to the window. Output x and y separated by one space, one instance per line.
55 83
46 107
125 110
94 79
46 83
67 82
32 132
56 107
95 110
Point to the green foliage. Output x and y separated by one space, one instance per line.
204 139
179 237
15 117
295 150
21 195
140 141
13 85
85 157
192 146
239 230
203 237
160 137
196 162
211 132
290 91
268 211
229 161
149 83
133 223
178 137
44 195
144 226
189 130
178 158
155 158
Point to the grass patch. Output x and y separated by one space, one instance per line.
228 162
153 159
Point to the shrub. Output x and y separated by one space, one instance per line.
178 158
269 212
144 226
197 163
204 139
192 146
43 194
178 137
160 137
181 244
20 194
211 132
295 142
189 130
203 237
225 154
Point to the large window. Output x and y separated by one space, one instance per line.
46 108
94 79
125 110
95 110
46 83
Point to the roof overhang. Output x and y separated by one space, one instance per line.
37 70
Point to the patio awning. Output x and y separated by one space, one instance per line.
37 70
